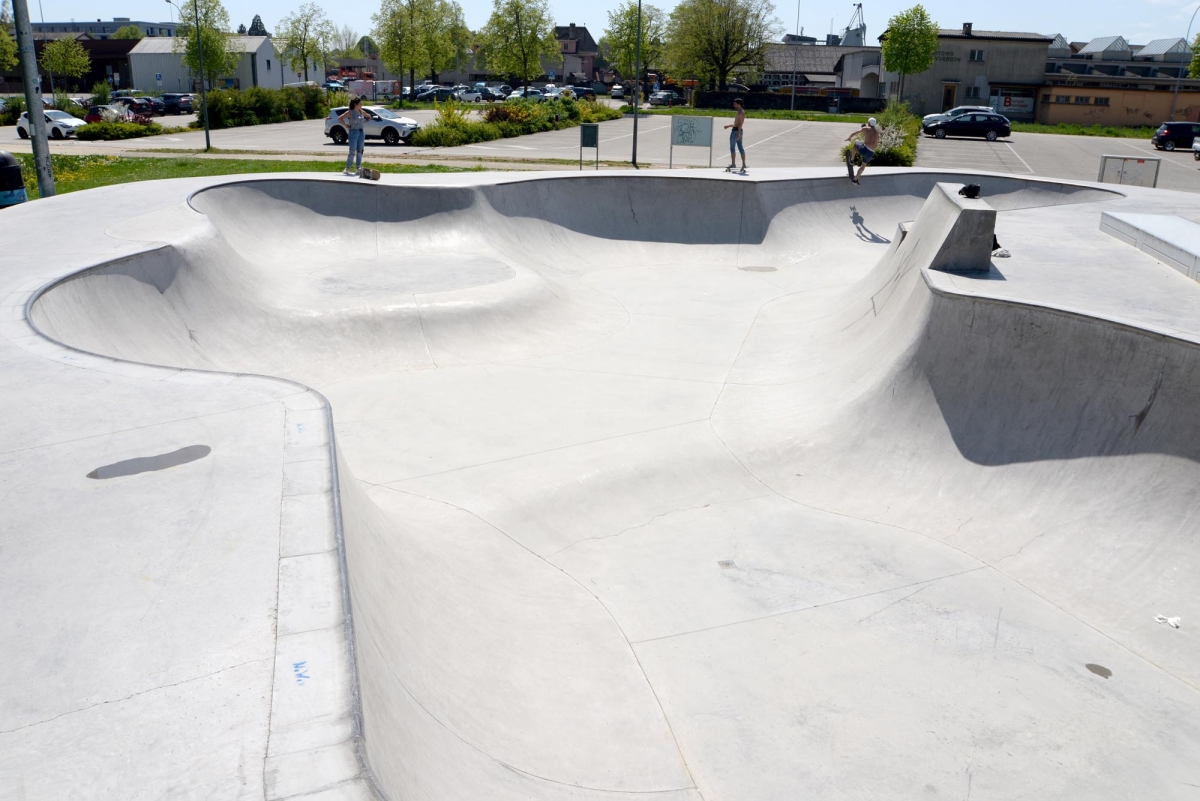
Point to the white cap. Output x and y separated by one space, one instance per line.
871 122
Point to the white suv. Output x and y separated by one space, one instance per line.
59 124
382 123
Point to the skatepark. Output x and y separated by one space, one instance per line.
695 487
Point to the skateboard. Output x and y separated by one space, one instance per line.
736 171
369 174
850 163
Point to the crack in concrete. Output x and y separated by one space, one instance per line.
136 694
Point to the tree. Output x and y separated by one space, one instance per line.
344 43
909 43
128 32
516 36
367 47
211 39
444 36
712 38
242 30
66 58
1194 69
8 48
621 36
398 34
305 33
257 28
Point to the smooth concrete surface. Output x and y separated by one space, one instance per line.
632 485
1168 238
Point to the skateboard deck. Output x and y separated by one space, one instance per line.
850 163
369 174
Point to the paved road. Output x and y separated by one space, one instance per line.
769 143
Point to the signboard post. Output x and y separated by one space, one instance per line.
589 136
690 132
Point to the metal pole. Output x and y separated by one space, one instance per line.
33 99
200 53
637 81
795 44
1187 43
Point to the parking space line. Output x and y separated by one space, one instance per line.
769 138
1159 156
1018 155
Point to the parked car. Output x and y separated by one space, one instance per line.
382 123
618 92
503 89
97 113
333 86
583 91
1171 135
957 111
436 94
137 105
527 92
1196 148
176 103
490 95
666 97
468 95
157 106
59 124
989 125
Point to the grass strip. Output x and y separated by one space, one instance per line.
1073 129
76 173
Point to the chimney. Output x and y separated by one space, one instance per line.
571 34
967 28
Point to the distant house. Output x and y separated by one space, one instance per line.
101 29
109 62
157 65
577 51
812 64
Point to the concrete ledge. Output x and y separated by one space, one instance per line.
968 245
1172 240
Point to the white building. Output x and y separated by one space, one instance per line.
157 65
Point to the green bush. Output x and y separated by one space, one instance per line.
117 130
899 130
438 136
232 108
507 120
13 107
62 101
101 93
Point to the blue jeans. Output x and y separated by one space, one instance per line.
358 140
735 141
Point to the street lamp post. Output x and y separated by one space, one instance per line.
200 54
1187 43
637 81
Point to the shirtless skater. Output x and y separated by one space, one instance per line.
866 140
735 136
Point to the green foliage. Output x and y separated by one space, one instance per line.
101 93
117 130
1194 67
444 37
257 28
210 43
344 43
909 43
306 34
66 58
13 108
398 34
8 51
508 120
622 32
516 36
129 32
1074 129
899 131
62 101
712 38
234 108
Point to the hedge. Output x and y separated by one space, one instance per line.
507 120
899 130
233 108
779 101
117 130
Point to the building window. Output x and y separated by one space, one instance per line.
1045 98
972 92
1081 100
1101 101
976 55
268 63
1062 98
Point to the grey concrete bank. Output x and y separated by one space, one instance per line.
596 487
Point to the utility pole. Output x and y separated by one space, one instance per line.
637 81
200 53
36 112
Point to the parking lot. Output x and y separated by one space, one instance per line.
769 143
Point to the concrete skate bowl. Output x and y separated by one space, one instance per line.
702 489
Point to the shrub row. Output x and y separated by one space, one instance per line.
233 108
899 130
507 120
118 130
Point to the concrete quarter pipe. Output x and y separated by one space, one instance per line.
699 488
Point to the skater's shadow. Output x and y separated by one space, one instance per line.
863 232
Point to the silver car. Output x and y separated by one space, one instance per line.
382 123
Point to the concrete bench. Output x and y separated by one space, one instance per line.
1172 240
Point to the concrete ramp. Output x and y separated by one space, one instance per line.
708 489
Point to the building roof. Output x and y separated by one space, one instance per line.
807 58
166 44
586 43
1160 47
1105 44
957 33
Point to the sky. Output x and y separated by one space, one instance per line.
1139 21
